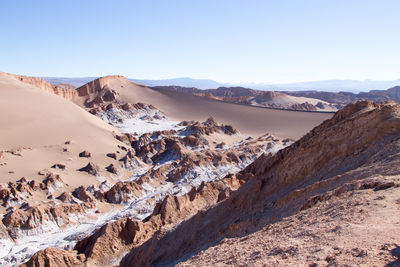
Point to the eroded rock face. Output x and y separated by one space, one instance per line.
85 154
35 216
97 85
4 194
81 194
122 192
110 95
208 127
52 181
66 197
66 91
306 106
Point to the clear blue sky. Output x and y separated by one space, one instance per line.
227 41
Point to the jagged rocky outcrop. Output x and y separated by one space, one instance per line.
97 85
31 217
117 237
65 90
55 257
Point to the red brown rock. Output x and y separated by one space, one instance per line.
66 197
122 192
85 154
111 168
112 155
55 257
81 194
90 168
58 166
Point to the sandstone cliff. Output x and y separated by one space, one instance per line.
97 85
67 92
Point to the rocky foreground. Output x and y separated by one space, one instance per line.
330 198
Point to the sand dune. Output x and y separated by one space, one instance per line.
249 120
39 123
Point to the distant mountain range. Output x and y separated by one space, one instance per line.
354 86
327 85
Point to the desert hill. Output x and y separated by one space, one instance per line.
37 123
45 141
181 106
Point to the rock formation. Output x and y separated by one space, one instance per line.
96 85
65 91
90 168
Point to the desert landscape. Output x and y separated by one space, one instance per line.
199 133
108 178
